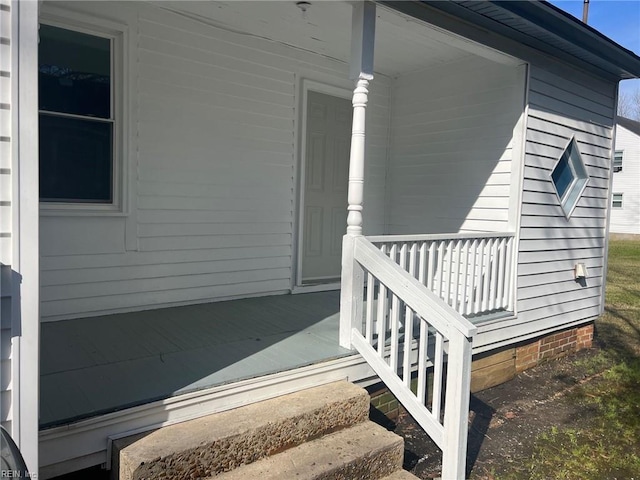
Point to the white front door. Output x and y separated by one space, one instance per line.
328 137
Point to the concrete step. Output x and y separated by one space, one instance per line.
401 475
223 441
363 452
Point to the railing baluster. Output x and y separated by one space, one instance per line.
439 271
472 278
431 266
501 279
421 392
369 311
473 245
382 312
494 275
422 270
395 326
382 318
447 294
393 252
438 364
479 275
456 275
402 261
408 324
464 279
486 271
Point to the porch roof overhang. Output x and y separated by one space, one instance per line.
542 26
631 125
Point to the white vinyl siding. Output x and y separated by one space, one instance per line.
550 244
6 216
214 163
627 182
451 147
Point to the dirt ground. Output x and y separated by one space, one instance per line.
506 419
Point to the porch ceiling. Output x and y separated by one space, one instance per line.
403 44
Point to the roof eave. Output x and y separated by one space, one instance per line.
631 125
597 52
562 24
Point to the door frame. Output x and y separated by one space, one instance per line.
307 85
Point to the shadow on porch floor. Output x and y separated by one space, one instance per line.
92 366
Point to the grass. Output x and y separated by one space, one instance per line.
609 446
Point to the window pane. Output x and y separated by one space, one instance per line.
617 200
562 176
617 161
74 72
75 160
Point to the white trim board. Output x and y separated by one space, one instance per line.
26 336
316 287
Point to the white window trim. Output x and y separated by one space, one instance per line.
573 187
615 153
118 34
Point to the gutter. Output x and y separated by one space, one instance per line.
565 26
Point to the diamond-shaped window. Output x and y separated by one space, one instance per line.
569 177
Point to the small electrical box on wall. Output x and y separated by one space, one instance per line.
580 271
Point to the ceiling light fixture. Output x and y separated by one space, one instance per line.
303 6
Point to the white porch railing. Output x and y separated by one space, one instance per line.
471 272
391 300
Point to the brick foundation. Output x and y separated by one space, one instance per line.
384 401
496 367
533 352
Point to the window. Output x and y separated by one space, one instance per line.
78 151
617 161
562 176
617 200
569 177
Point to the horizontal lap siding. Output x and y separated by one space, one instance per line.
6 216
550 245
215 162
452 132
627 182
229 114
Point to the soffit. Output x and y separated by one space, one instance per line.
403 44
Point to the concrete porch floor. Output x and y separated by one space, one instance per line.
92 366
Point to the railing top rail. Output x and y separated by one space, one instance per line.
438 236
421 300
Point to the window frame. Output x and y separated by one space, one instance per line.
617 168
117 34
570 198
613 200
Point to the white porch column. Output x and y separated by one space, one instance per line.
362 43
355 195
